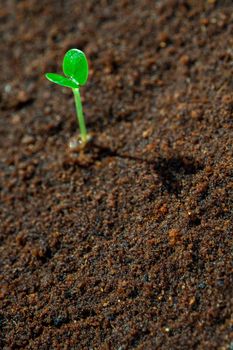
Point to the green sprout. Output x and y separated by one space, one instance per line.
75 69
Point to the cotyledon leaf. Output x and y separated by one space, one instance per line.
60 80
75 66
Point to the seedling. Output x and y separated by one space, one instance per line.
75 69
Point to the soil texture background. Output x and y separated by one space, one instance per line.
128 246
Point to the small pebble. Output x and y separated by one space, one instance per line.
7 88
27 140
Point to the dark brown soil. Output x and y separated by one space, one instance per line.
129 246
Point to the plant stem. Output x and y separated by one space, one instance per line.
80 117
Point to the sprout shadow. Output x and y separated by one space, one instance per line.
171 171
174 170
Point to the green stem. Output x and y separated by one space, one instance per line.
80 117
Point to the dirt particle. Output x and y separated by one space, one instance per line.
201 187
163 210
16 119
227 99
147 133
3 291
184 60
196 114
163 37
204 21
174 236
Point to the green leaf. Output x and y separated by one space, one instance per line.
75 66
60 80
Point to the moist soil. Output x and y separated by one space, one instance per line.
129 244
